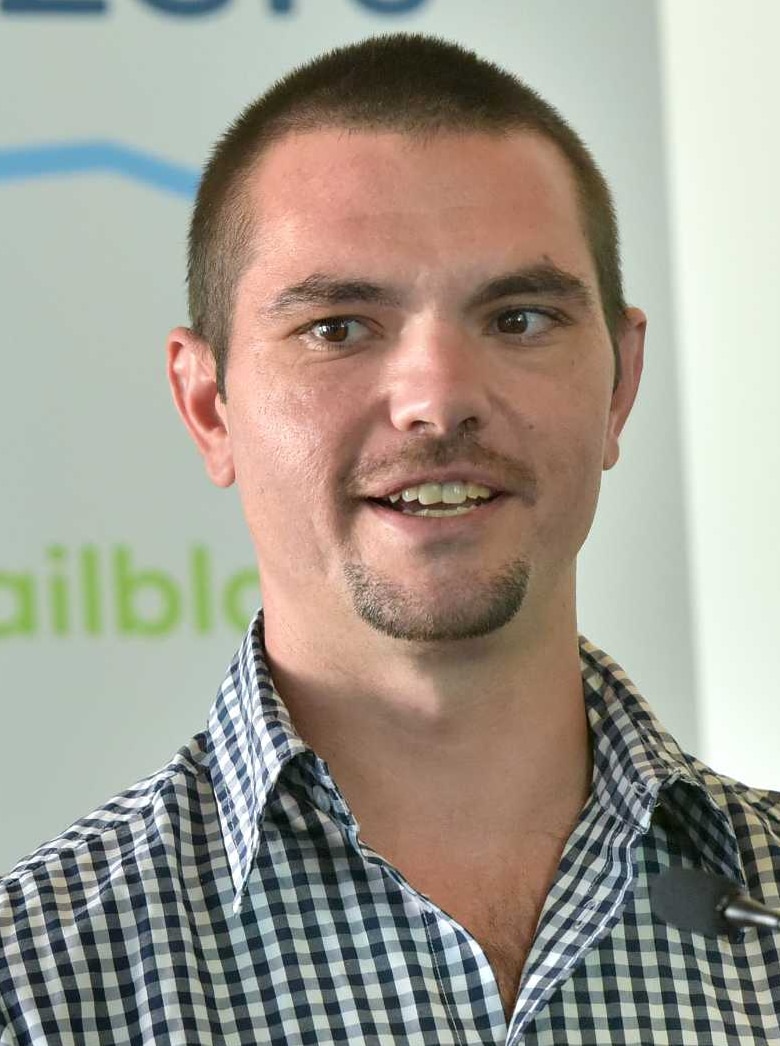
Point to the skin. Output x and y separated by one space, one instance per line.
318 418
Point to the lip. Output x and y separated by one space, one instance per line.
448 475
437 526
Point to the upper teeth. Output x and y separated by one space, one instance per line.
454 493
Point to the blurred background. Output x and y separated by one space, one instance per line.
126 580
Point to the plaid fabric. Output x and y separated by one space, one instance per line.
228 899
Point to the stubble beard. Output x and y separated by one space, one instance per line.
476 610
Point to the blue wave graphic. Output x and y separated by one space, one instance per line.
56 160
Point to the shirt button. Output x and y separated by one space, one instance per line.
321 799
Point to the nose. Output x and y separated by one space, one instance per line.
439 382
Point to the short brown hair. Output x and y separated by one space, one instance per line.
409 83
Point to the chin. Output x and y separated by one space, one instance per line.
476 609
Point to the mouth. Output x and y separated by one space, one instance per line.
439 500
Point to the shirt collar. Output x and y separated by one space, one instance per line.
251 739
637 764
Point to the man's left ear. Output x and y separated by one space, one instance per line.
631 347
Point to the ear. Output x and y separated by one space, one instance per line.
193 381
631 347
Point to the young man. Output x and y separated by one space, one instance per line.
423 811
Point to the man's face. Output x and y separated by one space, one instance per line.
419 383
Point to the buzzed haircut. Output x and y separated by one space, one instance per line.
406 83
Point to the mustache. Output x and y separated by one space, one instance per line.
515 477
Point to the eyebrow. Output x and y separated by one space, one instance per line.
319 290
547 280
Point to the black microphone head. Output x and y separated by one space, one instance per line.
691 899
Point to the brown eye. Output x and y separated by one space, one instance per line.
335 332
525 322
332 330
515 322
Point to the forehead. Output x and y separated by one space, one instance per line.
453 200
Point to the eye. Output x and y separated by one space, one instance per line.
527 323
338 331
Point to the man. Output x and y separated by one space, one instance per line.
423 810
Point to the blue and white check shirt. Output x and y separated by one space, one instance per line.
228 899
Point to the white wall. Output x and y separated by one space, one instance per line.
722 94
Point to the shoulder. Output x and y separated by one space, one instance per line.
109 901
761 803
117 840
754 812
730 823
735 825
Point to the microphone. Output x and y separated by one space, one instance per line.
693 900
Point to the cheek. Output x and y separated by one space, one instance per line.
574 476
283 448
571 455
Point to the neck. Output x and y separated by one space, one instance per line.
412 734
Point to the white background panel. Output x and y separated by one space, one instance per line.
722 85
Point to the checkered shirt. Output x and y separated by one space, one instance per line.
228 899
